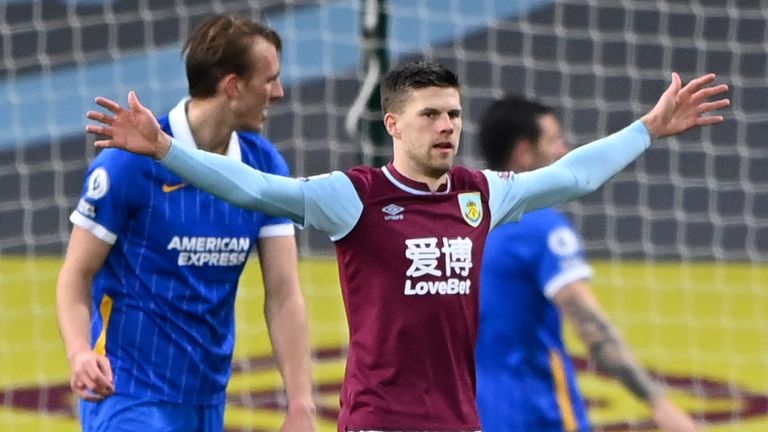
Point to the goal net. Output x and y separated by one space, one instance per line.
679 239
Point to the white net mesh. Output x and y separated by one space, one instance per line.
682 234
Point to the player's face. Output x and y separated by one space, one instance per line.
261 89
551 145
428 129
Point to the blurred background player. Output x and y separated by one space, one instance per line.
159 260
409 236
533 272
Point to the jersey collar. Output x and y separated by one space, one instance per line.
413 186
183 133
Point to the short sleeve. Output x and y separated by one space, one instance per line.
562 259
112 185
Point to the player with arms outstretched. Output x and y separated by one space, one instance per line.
409 236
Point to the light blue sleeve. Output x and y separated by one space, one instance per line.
579 172
328 202
332 204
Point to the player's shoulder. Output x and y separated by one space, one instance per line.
461 172
562 238
119 160
365 178
463 178
552 215
364 174
364 171
259 152
118 169
543 230
255 141
545 220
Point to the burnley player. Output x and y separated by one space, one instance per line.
409 236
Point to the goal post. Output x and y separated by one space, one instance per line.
363 121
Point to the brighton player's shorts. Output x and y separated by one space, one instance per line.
119 413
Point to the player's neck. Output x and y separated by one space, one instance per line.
211 133
433 179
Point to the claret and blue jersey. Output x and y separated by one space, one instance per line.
409 265
164 298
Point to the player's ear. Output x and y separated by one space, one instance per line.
231 85
390 122
523 154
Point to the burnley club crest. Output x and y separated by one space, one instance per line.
471 208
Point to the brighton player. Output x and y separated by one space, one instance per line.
158 260
409 236
533 271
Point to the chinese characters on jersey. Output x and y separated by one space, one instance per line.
447 260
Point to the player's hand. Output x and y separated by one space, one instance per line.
680 109
91 376
299 419
670 418
135 130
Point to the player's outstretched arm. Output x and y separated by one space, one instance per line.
681 108
135 129
584 169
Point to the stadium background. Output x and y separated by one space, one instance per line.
680 238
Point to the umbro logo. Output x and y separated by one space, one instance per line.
393 212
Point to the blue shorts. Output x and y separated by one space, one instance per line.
120 413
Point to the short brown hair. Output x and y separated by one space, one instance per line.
221 45
399 82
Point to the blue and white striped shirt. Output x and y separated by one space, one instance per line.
164 299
